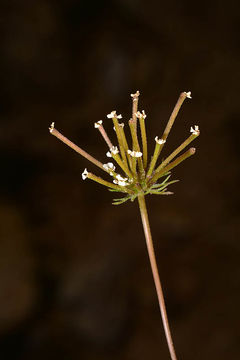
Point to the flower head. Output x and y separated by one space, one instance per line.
140 115
109 166
113 114
98 124
136 154
135 96
159 141
188 94
85 174
51 127
139 177
195 130
121 182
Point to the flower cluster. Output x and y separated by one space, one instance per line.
139 176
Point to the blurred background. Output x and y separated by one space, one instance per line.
75 280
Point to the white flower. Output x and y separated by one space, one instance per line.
195 130
119 177
141 114
135 153
114 150
135 96
98 124
114 115
51 127
109 166
160 141
188 94
85 174
121 182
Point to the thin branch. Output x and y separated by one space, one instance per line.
80 151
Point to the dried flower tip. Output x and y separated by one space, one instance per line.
51 127
135 153
188 94
120 182
98 124
120 124
195 130
135 96
85 174
113 114
141 114
109 166
159 141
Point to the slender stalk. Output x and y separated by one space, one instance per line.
170 166
135 108
122 165
136 146
108 184
174 113
105 136
154 159
117 127
80 151
125 145
144 141
152 257
173 116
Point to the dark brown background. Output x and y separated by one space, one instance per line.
75 281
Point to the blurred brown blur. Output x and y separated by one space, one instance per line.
75 281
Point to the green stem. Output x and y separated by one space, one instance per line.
144 141
152 257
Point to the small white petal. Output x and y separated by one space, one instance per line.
141 114
136 94
135 153
188 94
85 174
114 150
122 183
109 166
51 127
109 154
160 141
119 177
114 115
98 124
195 130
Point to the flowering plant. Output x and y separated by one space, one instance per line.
139 178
